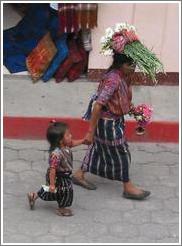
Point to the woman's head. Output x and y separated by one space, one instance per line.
122 62
58 134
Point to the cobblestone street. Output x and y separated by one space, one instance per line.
101 216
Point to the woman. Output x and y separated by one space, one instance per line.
108 155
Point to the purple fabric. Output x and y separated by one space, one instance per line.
110 86
114 93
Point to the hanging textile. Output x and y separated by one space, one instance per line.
67 17
87 15
76 16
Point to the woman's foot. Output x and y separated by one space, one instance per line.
32 196
64 212
132 192
130 188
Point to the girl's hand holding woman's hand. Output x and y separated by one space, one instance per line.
89 138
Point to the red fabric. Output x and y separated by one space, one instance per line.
63 69
74 51
40 57
75 56
54 159
77 69
76 16
68 17
114 93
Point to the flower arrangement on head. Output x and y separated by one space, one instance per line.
142 114
124 39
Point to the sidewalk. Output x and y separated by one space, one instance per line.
29 107
23 98
101 216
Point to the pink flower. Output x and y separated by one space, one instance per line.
142 113
130 35
119 42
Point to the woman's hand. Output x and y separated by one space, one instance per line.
89 138
52 188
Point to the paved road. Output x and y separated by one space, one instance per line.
101 216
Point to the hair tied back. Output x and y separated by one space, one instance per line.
52 122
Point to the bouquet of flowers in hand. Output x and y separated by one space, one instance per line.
142 113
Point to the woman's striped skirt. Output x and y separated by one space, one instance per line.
109 156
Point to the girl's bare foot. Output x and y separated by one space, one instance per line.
64 212
32 196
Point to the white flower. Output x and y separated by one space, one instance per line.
118 27
109 32
139 117
124 25
132 28
103 40
108 52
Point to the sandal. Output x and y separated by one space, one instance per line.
85 184
141 196
31 200
64 212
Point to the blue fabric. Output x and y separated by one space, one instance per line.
62 53
88 113
20 40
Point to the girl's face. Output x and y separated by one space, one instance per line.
67 138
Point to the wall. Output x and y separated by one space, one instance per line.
157 25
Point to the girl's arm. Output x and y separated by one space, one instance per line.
75 143
52 175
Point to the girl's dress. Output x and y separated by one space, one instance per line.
109 155
62 160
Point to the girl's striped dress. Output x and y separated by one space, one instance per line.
61 159
109 156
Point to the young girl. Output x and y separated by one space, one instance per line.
58 175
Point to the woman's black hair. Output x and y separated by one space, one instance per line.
119 60
55 134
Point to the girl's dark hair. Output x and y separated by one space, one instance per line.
55 134
119 60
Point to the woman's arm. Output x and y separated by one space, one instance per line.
92 126
93 122
95 116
